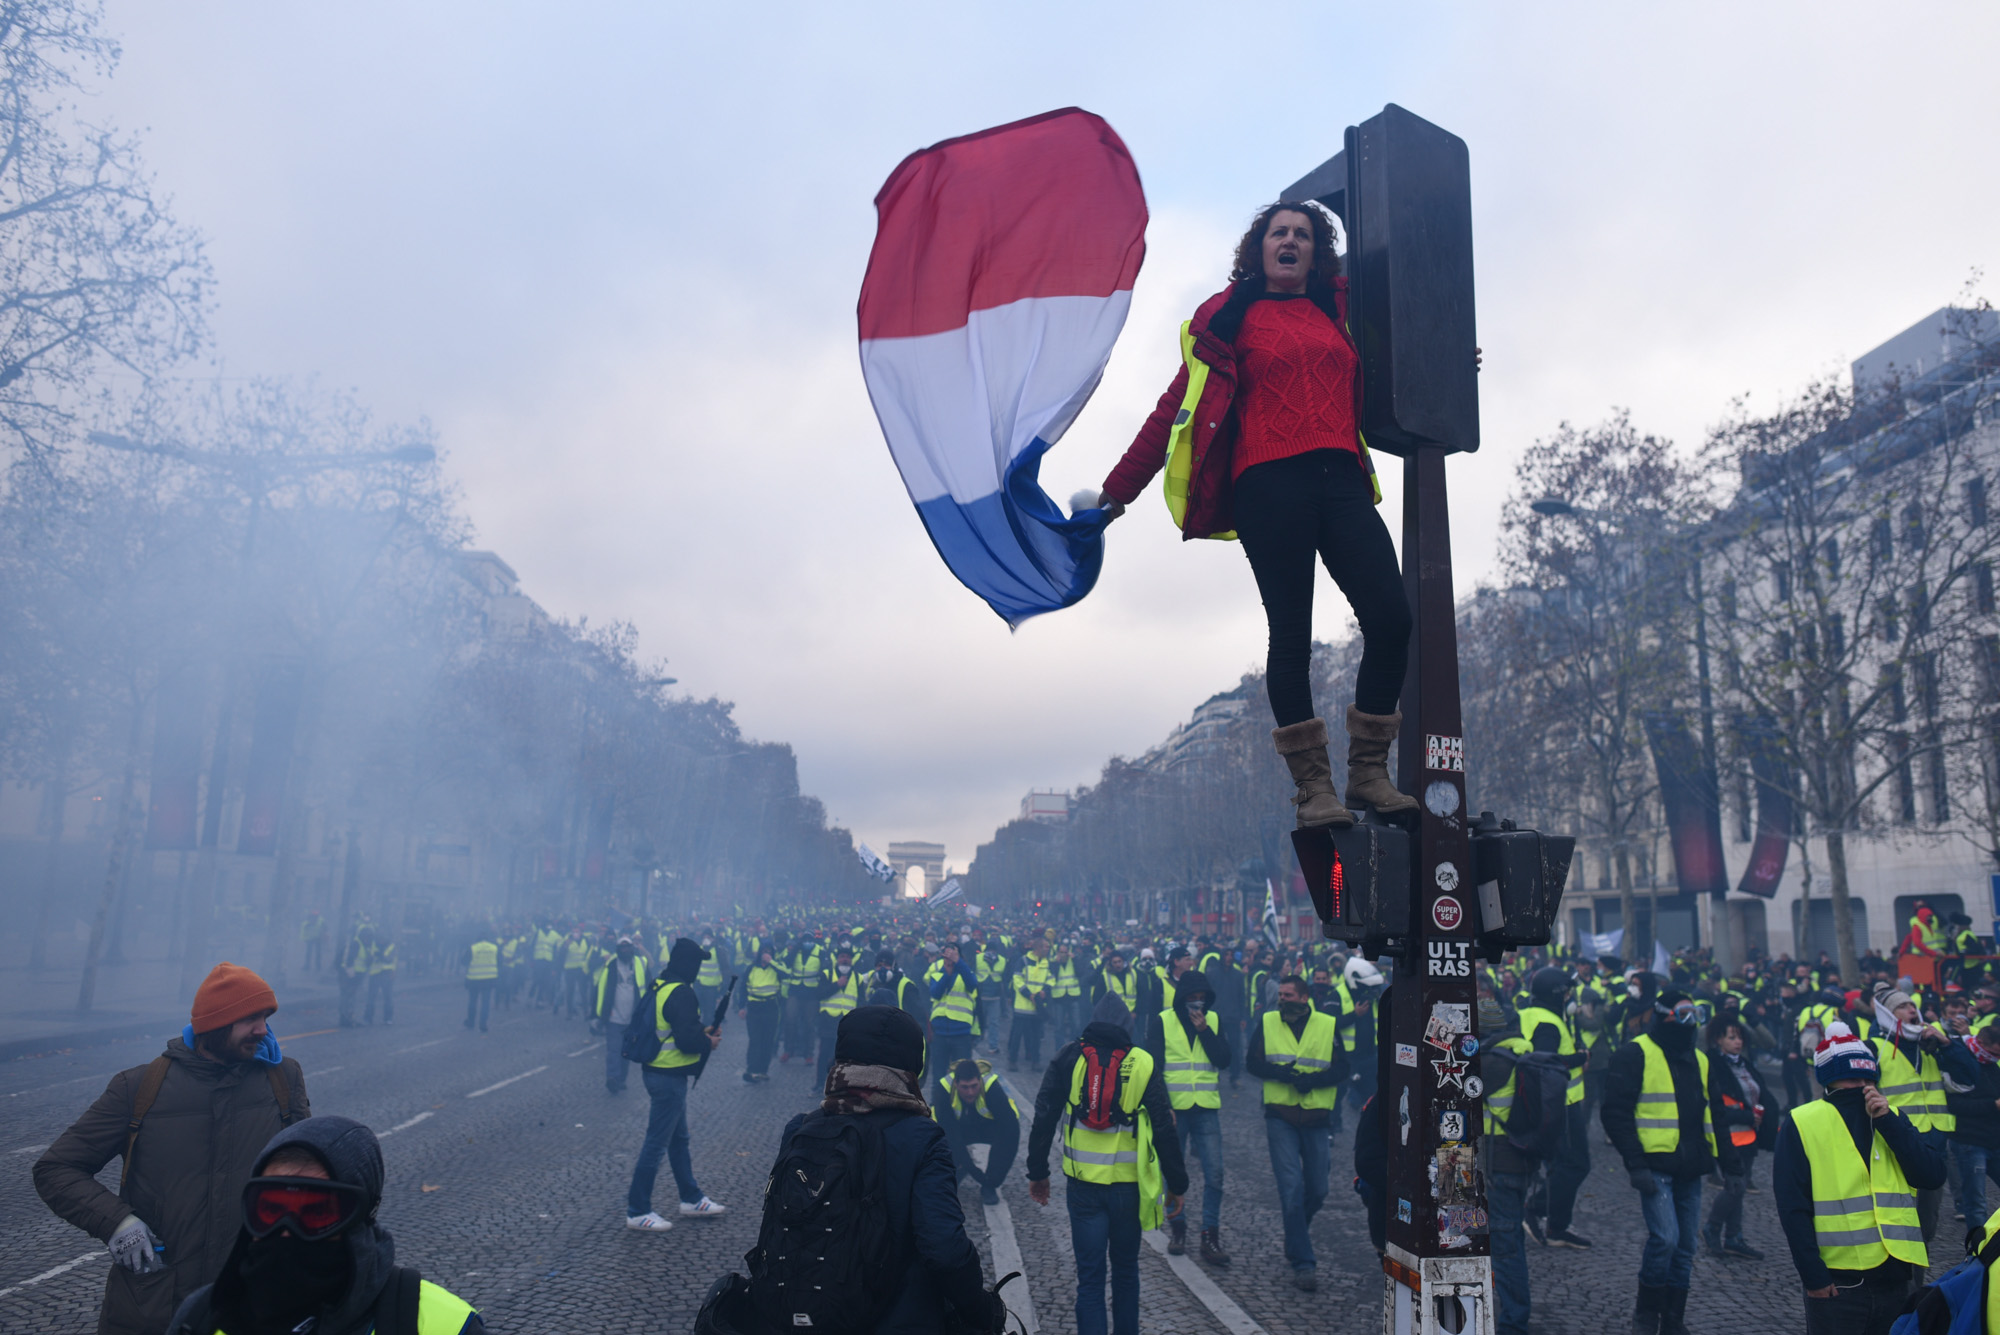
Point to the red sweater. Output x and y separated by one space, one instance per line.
1297 390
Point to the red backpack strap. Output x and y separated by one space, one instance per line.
1100 1088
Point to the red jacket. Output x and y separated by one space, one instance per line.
1212 435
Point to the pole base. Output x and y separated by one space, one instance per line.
1436 1295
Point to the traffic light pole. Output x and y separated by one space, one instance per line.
1439 1274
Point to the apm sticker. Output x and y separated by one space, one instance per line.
1444 753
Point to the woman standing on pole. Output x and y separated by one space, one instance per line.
1260 438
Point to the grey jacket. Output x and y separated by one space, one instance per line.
185 1180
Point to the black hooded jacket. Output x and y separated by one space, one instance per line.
352 1156
1194 983
683 1010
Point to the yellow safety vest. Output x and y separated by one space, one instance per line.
976 1109
485 964
1123 1153
1917 1092
988 973
1533 1018
1032 978
1659 1114
709 973
670 1056
1309 1051
576 954
1863 1213
382 959
957 1003
1191 1077
1062 981
1126 989
1349 1030
602 979
763 983
439 1311
843 997
545 944
1500 1102
1932 934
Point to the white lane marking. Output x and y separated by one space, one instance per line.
1220 1305
60 1083
419 1047
29 1149
1233 1318
328 1070
580 1051
1018 1296
64 1268
404 1126
508 1081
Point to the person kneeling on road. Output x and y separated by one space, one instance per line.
1110 1101
974 1109
1846 1177
310 1255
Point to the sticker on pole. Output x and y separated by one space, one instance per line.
1451 1125
1444 753
1406 1054
1446 876
1447 913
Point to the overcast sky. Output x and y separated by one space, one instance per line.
612 252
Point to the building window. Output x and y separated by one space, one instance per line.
1882 540
1982 586
1988 650
1830 554
1913 528
1937 781
1975 501
1886 618
1920 608
1927 684
1906 787
1836 637
1781 579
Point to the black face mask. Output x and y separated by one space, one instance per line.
1291 1012
287 1279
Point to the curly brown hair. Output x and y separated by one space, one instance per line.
1249 262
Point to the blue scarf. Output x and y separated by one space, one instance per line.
267 1051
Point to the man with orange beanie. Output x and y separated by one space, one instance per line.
189 1125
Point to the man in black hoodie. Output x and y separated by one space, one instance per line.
1656 1113
1187 1046
310 1251
684 1047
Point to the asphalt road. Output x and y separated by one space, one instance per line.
508 1161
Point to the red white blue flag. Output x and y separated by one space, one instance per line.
1001 275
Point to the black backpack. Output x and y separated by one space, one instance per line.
825 1260
1540 1114
642 1038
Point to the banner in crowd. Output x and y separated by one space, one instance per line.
1773 842
947 892
1693 806
875 865
999 281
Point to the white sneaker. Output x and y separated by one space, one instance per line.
649 1222
706 1209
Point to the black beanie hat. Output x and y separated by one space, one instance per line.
880 1036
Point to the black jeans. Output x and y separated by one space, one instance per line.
1321 505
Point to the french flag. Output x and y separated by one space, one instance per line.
1000 278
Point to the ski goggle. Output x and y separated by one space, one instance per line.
312 1208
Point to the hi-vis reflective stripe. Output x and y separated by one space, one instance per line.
1853 1203
1861 1237
1669 1123
1100 1157
1310 1063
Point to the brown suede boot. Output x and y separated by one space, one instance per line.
1303 745
1368 740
